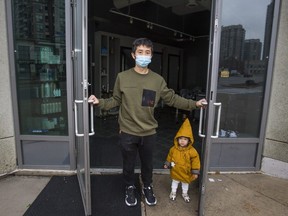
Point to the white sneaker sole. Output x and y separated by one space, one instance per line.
131 204
147 202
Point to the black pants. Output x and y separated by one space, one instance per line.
130 146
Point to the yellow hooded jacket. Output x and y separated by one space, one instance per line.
186 160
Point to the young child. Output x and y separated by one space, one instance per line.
183 160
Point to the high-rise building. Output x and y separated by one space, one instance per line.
232 46
252 49
34 20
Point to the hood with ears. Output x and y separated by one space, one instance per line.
186 131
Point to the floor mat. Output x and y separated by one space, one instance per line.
108 196
62 197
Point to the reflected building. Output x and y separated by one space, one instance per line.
35 20
252 57
38 37
232 47
252 49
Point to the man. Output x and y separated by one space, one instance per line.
137 92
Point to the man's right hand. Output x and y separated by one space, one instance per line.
93 99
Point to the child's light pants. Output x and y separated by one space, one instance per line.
174 186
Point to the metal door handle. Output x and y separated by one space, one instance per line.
76 118
218 121
91 118
200 122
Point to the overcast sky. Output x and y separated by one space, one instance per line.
250 13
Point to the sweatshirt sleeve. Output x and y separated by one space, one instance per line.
172 99
115 100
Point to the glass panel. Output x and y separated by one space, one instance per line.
40 58
45 153
79 14
245 41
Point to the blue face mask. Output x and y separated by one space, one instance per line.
143 60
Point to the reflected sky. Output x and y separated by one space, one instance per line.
250 13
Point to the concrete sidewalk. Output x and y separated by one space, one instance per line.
227 195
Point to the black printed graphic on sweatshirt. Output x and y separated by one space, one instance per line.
148 98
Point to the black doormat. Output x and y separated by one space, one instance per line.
108 195
62 197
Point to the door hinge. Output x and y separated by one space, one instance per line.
216 25
73 54
73 3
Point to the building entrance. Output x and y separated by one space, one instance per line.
183 57
218 51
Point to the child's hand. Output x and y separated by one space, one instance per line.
195 176
167 165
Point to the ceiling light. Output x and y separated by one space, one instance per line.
150 25
192 3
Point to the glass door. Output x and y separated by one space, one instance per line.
242 77
207 127
81 106
239 75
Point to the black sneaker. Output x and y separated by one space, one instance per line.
130 198
149 196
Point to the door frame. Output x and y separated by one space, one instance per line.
212 74
212 82
258 142
79 19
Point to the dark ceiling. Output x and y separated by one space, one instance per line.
101 19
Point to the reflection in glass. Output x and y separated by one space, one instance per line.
245 40
39 41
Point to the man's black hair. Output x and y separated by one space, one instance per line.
142 41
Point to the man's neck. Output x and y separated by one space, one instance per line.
141 70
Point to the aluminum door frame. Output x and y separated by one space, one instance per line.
212 81
209 116
81 106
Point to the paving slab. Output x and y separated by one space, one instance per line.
247 194
167 207
17 193
227 195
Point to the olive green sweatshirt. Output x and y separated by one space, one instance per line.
137 96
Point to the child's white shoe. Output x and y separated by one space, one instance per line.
186 197
172 196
